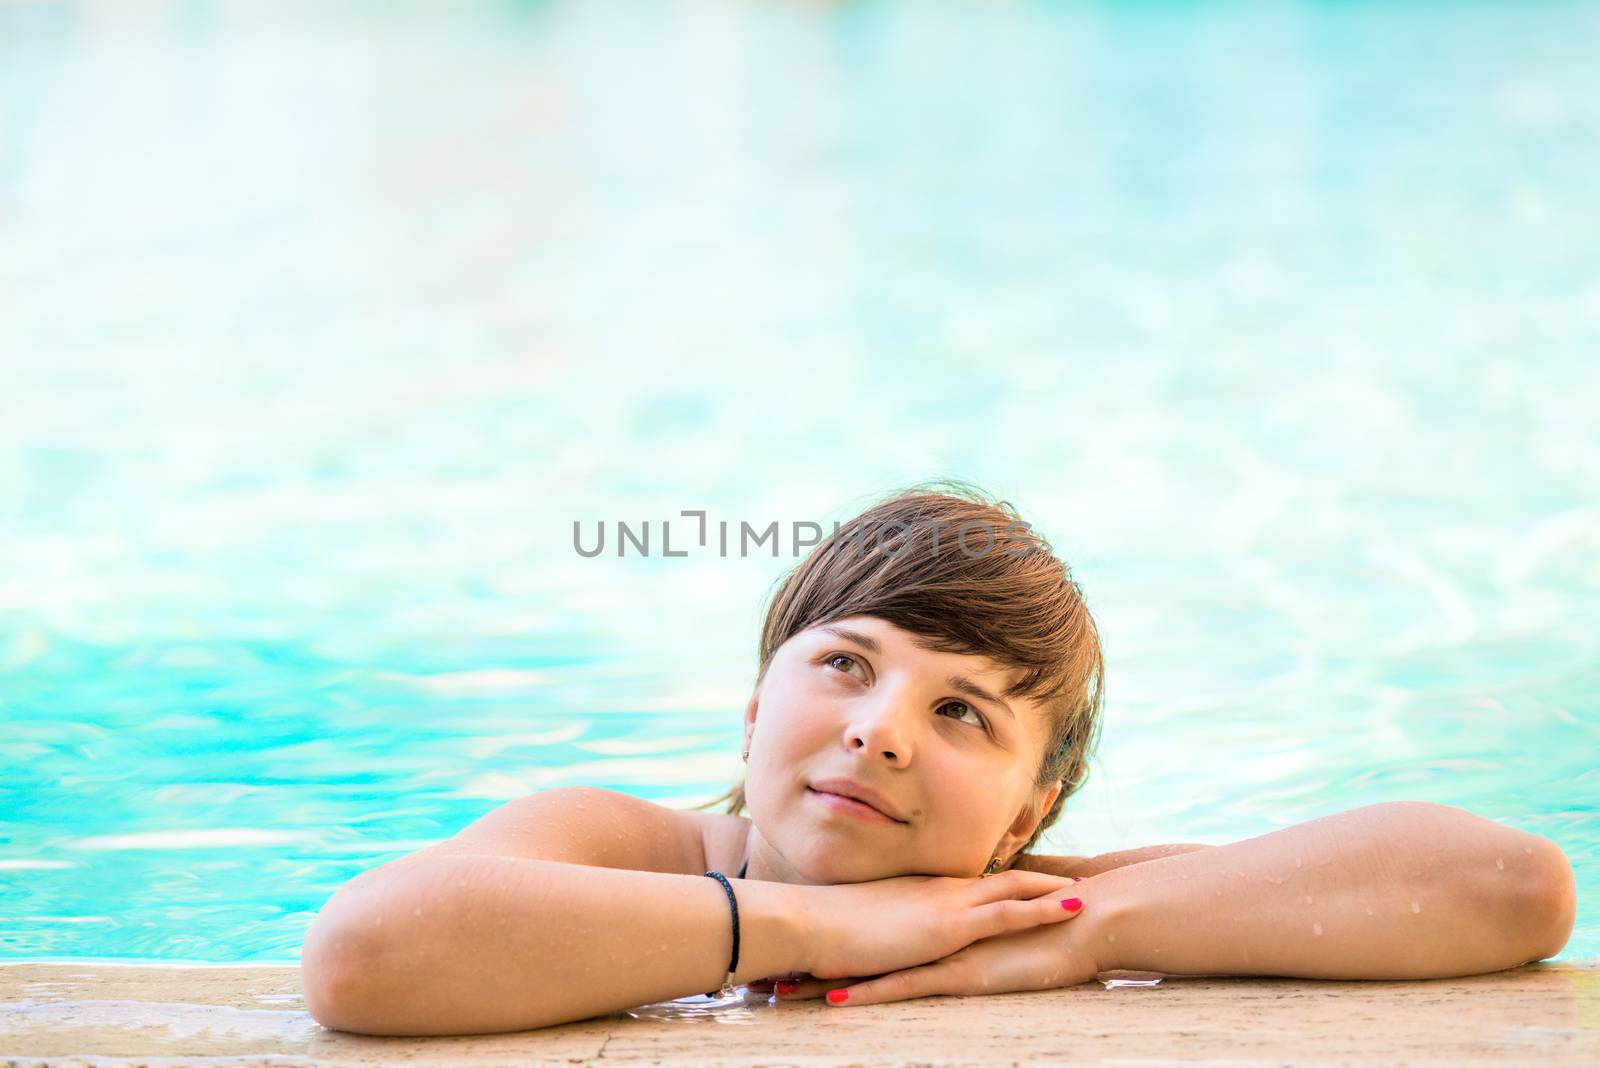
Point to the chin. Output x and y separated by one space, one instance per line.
823 865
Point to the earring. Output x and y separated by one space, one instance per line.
994 863
747 755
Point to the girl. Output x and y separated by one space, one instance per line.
928 697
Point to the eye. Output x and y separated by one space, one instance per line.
982 723
834 658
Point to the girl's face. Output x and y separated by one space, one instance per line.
858 700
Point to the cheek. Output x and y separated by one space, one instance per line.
802 710
790 727
965 796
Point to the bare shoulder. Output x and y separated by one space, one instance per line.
586 825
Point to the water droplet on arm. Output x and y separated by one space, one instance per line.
1317 928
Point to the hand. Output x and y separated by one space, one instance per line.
1039 958
877 927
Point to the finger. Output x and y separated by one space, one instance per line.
808 987
1056 899
1002 916
1018 883
768 984
896 986
1057 908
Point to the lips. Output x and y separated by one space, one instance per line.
860 792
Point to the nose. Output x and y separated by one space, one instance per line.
884 726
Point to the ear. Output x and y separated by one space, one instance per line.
750 718
1027 820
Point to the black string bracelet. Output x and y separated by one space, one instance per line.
733 964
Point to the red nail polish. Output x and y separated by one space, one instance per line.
1072 904
838 997
787 986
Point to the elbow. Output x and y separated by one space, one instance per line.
333 974
1555 902
1539 913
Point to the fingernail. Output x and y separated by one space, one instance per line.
788 986
1071 904
1077 878
838 997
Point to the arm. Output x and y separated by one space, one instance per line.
463 943
1083 867
1403 890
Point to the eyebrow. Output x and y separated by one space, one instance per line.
960 683
972 689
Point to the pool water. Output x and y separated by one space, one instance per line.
322 326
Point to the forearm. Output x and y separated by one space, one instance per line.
1391 891
470 944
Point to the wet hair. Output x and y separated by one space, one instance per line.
963 573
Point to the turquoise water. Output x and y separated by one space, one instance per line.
320 326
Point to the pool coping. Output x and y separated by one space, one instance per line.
64 1013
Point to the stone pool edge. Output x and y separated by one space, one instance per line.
105 1014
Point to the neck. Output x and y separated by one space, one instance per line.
767 864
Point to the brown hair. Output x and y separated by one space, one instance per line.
965 574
